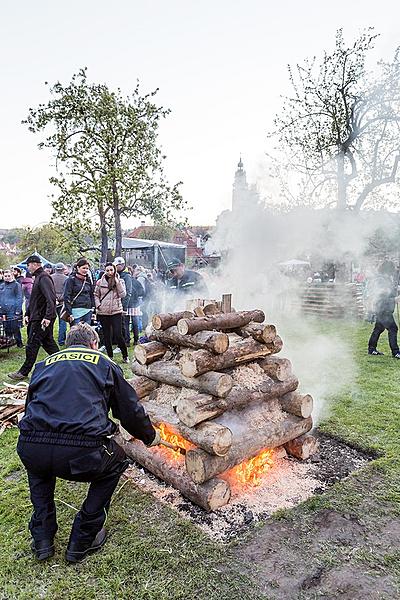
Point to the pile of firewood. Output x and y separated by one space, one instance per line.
12 404
215 380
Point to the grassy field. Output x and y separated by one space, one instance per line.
153 554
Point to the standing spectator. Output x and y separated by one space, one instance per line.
59 280
48 268
185 282
27 285
124 274
144 301
134 311
78 294
11 306
18 274
109 291
383 298
40 317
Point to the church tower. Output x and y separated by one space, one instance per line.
240 190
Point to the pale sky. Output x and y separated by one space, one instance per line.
220 66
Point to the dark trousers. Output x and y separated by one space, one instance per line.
38 337
101 466
112 328
125 329
135 328
384 321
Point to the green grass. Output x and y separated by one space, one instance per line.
153 553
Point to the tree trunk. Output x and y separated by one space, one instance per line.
210 496
297 404
199 408
201 466
200 361
221 321
165 320
341 182
265 334
148 353
276 367
303 446
142 385
214 341
211 437
216 384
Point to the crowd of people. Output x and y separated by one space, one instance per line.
117 300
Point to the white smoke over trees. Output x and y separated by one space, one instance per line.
338 141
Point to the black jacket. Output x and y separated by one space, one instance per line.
127 279
70 395
136 293
190 283
73 285
42 303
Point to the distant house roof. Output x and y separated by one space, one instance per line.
139 244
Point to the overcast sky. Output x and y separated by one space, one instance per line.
220 66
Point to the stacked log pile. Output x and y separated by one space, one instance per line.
215 381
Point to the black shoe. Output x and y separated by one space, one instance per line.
17 376
397 355
75 553
43 549
375 353
125 359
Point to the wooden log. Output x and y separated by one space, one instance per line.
297 404
212 437
265 334
202 466
142 385
196 409
211 495
199 312
226 303
302 447
216 384
222 321
200 361
276 367
148 353
165 320
214 341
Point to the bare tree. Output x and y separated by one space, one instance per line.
339 130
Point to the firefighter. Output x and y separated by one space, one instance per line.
66 433
184 281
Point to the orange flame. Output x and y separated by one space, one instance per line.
251 471
173 438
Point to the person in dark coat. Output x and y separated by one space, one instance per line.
384 297
124 274
40 318
186 282
11 306
59 280
78 293
66 432
134 311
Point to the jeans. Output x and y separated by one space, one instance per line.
62 327
384 321
38 337
102 466
85 319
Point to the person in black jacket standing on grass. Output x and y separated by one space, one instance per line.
66 432
384 295
40 318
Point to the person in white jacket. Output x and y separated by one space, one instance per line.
109 291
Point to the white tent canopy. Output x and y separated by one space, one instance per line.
294 262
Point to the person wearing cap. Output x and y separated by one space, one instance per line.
40 317
124 274
185 282
59 280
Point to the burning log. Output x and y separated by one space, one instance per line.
196 409
210 496
200 361
276 367
201 466
166 320
148 353
142 385
216 384
265 334
302 447
211 437
222 321
297 404
214 341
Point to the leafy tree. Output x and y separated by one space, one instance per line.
109 165
50 241
339 129
163 233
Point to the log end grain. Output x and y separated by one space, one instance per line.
183 326
303 447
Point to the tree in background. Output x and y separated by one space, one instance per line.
108 161
50 241
162 233
339 130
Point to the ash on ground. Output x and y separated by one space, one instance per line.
285 485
